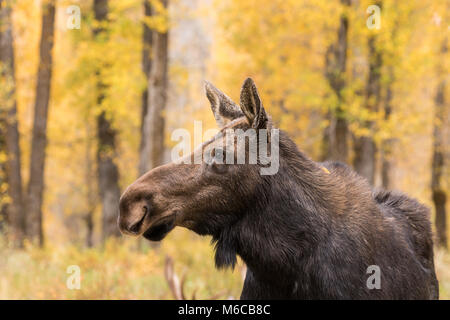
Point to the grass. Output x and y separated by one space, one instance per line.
121 270
442 265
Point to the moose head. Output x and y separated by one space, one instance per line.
316 226
207 196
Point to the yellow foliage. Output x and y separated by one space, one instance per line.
281 44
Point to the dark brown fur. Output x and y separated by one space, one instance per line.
304 233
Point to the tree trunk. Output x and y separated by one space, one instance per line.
39 139
364 160
365 147
108 173
90 194
15 210
153 149
147 36
3 175
335 145
438 191
387 144
89 229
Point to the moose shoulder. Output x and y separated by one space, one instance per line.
309 231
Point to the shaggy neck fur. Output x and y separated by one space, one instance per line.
292 211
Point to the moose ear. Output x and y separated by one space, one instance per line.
223 108
252 106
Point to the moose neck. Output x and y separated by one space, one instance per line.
293 210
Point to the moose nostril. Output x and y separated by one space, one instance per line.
137 226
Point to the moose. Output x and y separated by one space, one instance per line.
309 231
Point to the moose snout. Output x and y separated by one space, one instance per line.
133 216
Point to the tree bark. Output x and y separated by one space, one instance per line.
154 124
365 148
387 144
90 194
3 170
89 229
438 191
335 144
108 173
3 176
15 211
39 139
147 36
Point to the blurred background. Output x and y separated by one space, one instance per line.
90 92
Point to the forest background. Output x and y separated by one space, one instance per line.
90 92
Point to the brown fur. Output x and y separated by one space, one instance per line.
304 233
